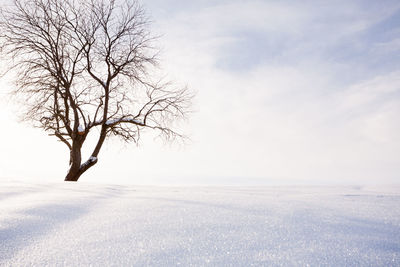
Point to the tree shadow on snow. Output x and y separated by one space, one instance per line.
35 223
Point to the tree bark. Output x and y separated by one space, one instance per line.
75 163
77 168
73 176
74 173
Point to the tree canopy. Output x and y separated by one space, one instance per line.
82 65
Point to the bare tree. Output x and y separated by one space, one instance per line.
83 65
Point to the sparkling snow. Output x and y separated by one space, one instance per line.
80 224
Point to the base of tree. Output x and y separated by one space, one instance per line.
70 180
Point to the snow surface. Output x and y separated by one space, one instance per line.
112 121
92 158
77 224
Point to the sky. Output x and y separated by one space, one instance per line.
288 92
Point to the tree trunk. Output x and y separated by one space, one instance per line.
72 176
76 167
75 172
75 163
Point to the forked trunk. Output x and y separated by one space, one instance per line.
77 168
73 176
75 164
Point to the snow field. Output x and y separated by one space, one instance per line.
80 224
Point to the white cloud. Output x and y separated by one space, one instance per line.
367 94
388 46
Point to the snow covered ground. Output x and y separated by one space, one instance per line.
82 224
